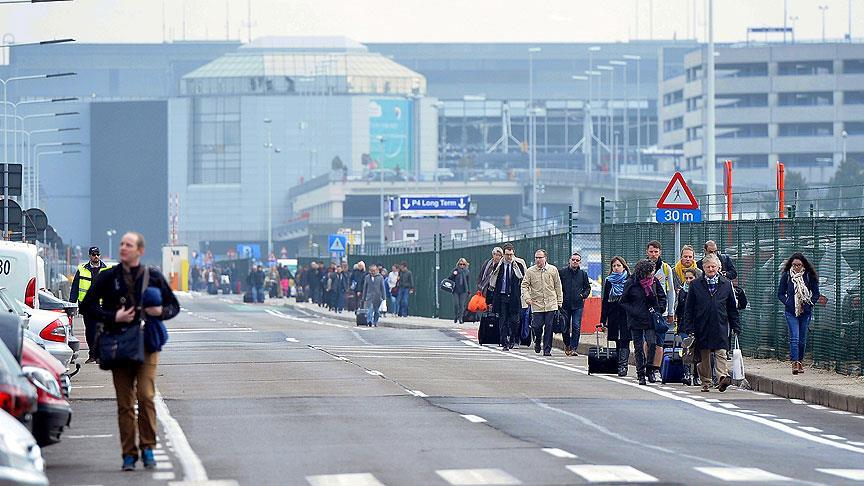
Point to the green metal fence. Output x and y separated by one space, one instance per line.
758 248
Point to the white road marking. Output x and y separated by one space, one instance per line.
859 444
833 437
79 387
810 429
840 412
163 476
817 407
608 474
766 415
781 427
211 329
193 469
712 400
796 401
94 436
361 479
727 405
473 419
418 393
374 372
476 477
853 474
280 315
292 340
559 453
164 465
750 474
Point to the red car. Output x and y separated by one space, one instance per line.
17 396
53 413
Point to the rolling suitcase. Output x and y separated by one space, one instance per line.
602 361
247 297
672 366
301 295
361 317
488 332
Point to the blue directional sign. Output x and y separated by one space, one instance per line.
679 215
337 244
431 206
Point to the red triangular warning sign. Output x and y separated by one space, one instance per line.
677 195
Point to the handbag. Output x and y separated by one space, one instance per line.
558 322
447 285
155 333
740 298
661 325
125 346
737 361
477 303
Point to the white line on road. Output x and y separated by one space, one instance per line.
833 437
727 405
375 373
473 419
359 337
559 453
840 412
94 436
476 477
750 474
193 469
704 406
163 476
292 340
364 479
853 474
817 407
418 393
797 401
608 474
280 315
810 429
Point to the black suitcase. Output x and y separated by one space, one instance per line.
362 318
602 361
488 332
247 297
301 296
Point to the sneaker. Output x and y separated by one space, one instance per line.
148 459
129 463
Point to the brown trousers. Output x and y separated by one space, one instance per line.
128 391
705 364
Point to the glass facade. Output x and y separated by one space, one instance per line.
216 140
807 98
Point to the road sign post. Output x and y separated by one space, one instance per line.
677 205
337 244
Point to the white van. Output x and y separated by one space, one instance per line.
20 270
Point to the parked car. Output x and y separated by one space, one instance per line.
48 302
12 326
22 271
17 395
53 412
21 460
54 329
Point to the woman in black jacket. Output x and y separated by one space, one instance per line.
643 299
612 315
461 278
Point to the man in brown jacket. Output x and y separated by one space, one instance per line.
541 289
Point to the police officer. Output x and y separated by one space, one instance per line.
84 277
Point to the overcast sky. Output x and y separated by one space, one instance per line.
418 20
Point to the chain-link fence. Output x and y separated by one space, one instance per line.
758 248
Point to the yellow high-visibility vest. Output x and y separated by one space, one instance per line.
85 279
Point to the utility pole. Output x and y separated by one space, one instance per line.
824 9
710 149
532 132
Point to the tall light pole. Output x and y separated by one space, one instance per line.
849 31
794 19
5 83
824 9
710 149
638 59
532 132
110 233
591 72
380 165
626 114
610 115
31 169
269 149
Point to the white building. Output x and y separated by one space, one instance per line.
787 102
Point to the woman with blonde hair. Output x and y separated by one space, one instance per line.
461 277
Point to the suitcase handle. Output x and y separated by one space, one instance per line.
597 335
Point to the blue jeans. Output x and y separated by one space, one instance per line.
402 298
797 334
340 301
648 337
259 294
572 327
372 314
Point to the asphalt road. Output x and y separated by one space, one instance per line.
260 395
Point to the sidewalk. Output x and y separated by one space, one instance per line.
818 387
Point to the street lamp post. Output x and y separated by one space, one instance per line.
31 182
609 113
269 148
824 9
380 166
532 132
626 114
844 134
111 233
638 59
591 72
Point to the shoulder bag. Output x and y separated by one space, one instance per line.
125 346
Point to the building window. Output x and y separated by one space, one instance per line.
694 103
853 97
742 70
693 162
747 100
673 97
818 159
805 68
673 124
694 73
808 98
853 66
744 161
694 133
216 140
854 128
806 129
747 130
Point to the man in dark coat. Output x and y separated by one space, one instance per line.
506 288
577 288
710 313
727 268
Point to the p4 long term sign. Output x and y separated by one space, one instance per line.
420 206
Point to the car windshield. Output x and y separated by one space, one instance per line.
10 303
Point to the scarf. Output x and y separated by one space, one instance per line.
679 269
617 280
647 284
802 293
686 287
658 264
712 282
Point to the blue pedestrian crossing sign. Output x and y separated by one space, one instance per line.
337 244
